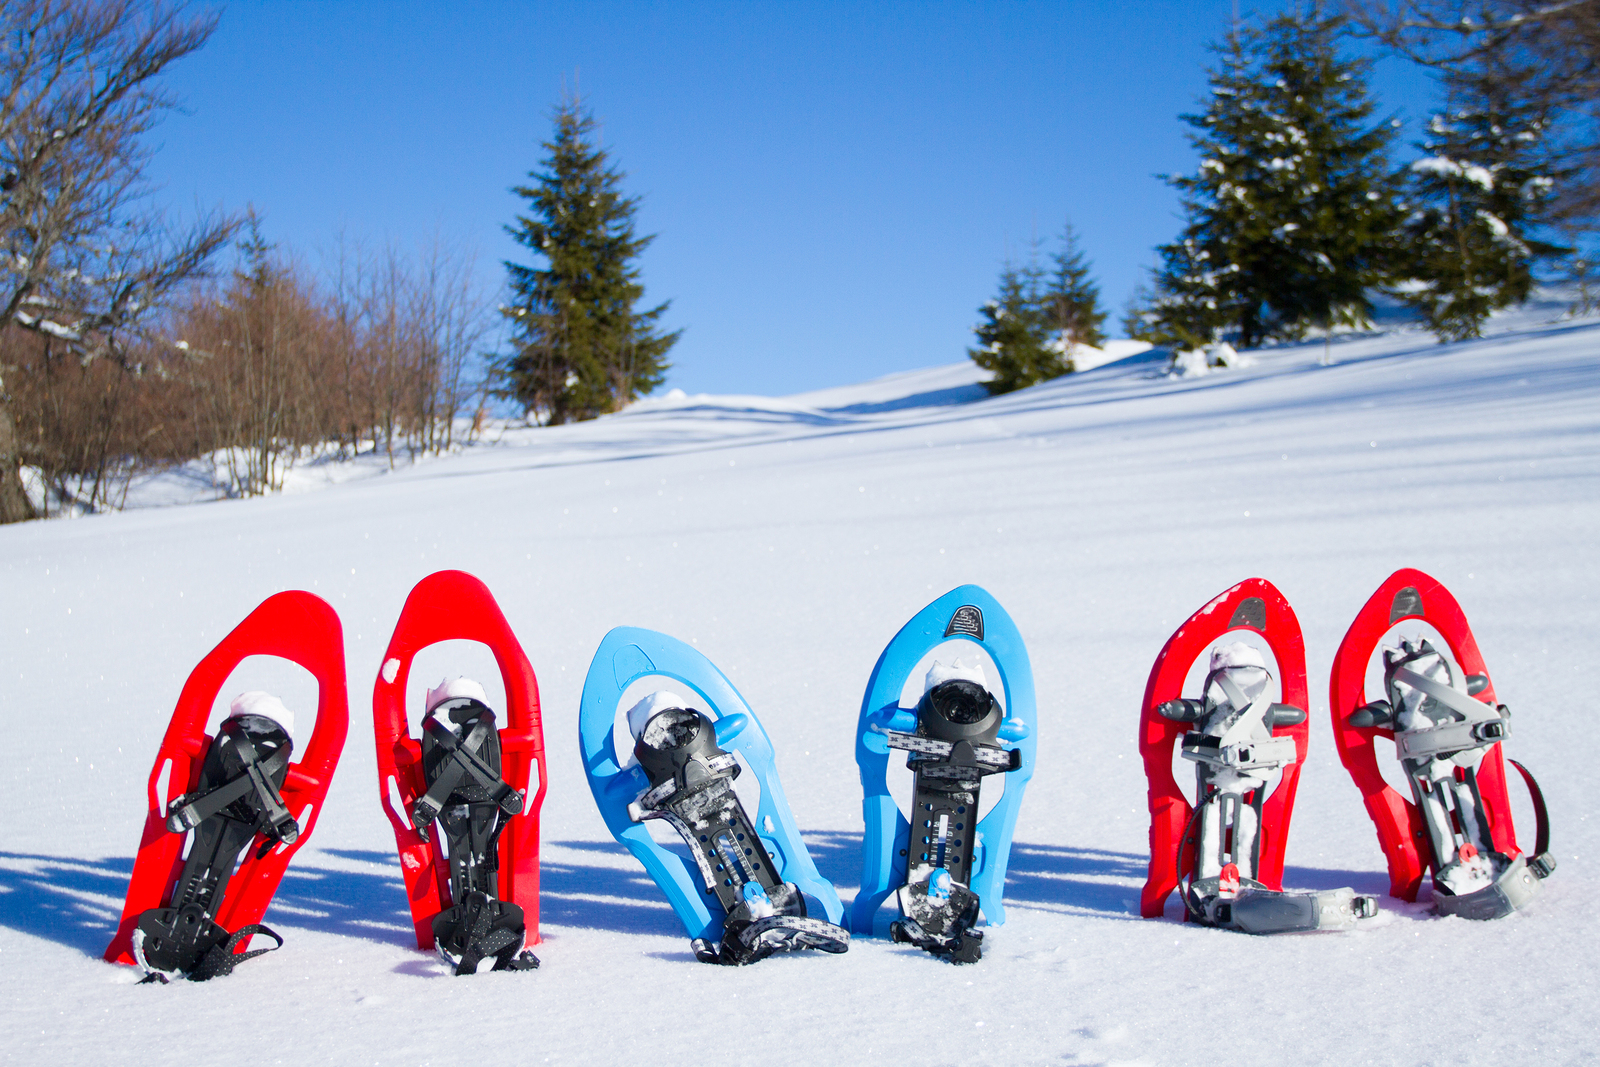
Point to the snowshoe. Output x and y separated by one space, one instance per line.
469 802
1447 729
742 892
1225 853
237 798
949 876
194 916
465 826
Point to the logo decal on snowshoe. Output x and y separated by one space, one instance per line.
967 620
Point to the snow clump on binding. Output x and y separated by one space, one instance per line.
255 702
457 688
938 674
646 709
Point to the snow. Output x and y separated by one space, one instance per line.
788 539
1444 167
1469 875
1236 654
959 671
646 709
1496 225
453 689
256 702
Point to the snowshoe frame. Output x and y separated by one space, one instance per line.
966 613
294 625
455 606
1402 833
627 654
1254 605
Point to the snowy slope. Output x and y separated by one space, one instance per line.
789 539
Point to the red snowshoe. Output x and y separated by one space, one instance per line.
467 828
194 915
1225 854
1447 729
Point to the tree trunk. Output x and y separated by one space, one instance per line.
14 503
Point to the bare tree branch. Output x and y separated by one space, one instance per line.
79 261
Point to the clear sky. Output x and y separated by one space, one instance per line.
834 186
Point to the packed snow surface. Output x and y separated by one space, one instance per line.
789 539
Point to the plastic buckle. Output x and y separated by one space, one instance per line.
1542 865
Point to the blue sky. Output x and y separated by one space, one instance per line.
834 186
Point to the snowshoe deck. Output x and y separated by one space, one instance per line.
956 736
466 778
741 895
1447 729
196 916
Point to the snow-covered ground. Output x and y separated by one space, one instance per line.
789 539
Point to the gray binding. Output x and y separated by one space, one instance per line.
1441 735
691 788
1238 764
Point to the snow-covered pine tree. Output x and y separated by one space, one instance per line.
1071 301
1013 337
582 349
1482 187
1292 213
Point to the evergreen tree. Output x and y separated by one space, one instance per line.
582 349
1292 213
1482 187
1072 302
1014 334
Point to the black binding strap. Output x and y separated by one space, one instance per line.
188 812
1542 863
1195 915
219 960
486 928
461 761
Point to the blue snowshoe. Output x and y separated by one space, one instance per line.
741 892
950 876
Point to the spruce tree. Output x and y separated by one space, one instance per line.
1481 188
1292 213
581 347
1013 337
1071 301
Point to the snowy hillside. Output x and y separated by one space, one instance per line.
789 539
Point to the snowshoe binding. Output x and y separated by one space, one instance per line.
944 866
1238 763
234 799
1227 861
691 787
462 783
954 744
238 799
742 892
470 804
1447 729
